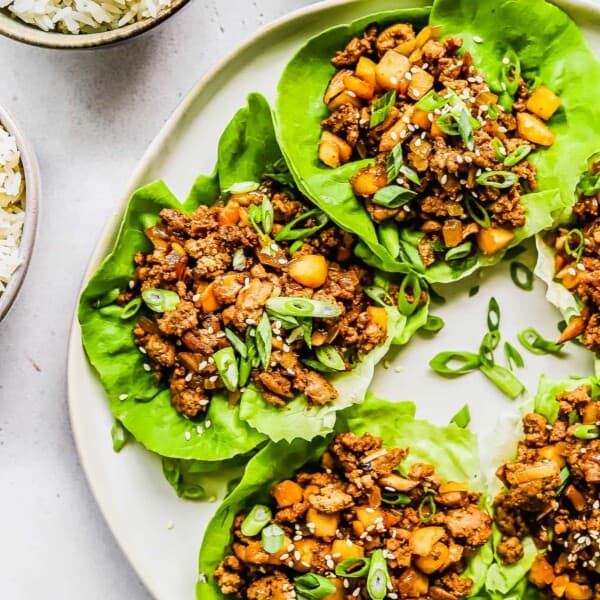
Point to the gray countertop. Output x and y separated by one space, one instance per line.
89 115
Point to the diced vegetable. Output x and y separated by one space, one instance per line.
543 102
336 85
541 573
369 180
532 128
493 239
362 89
420 83
421 118
576 591
378 316
325 525
394 135
390 71
229 214
365 70
422 540
437 560
309 270
344 549
287 493
333 150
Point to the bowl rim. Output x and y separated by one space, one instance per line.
32 193
18 30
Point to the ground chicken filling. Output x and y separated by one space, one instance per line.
216 277
552 495
450 162
577 262
353 516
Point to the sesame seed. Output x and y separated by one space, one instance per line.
143 350
195 297
207 423
202 578
199 430
394 135
394 80
187 435
213 378
418 142
408 75
502 129
131 284
351 93
444 179
147 367
188 377
477 39
468 159
416 93
123 397
506 60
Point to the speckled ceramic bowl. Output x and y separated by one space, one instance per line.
32 192
22 32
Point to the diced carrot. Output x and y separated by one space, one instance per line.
229 214
559 585
412 584
422 540
325 525
406 47
576 591
541 573
287 493
307 549
555 453
368 180
393 136
435 130
493 239
420 83
346 548
532 128
310 270
390 71
365 70
487 98
208 301
333 150
421 118
340 590
361 88
452 232
543 102
368 516
437 560
568 276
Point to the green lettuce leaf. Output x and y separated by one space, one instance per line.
451 449
510 581
552 51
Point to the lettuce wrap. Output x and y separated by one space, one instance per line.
552 51
452 450
510 581
247 151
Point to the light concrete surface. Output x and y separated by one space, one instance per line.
90 115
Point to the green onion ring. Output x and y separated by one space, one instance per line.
313 587
508 179
531 340
513 356
273 538
469 362
461 251
378 578
349 567
477 212
493 315
587 432
291 306
462 418
159 300
578 250
504 380
131 308
516 156
521 275
254 522
410 281
433 324
428 503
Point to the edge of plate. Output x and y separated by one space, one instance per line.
107 235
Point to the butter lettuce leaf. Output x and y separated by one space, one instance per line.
451 449
552 52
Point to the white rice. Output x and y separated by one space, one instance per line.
83 16
12 187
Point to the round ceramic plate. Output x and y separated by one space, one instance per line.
161 534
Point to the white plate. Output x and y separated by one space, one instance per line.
131 492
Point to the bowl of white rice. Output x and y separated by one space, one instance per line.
72 24
19 193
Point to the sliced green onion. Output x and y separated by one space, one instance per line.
507 179
433 324
486 350
573 417
432 100
467 361
238 261
258 517
493 315
120 436
587 432
378 579
297 245
160 300
273 538
564 475
531 340
395 498
264 340
243 187
318 366
307 326
313 587
247 364
514 252
473 291
463 417
461 251
477 212
378 295
393 196
504 380
289 233
410 174
267 215
427 508
380 110
589 184
228 368
513 356
466 129
447 123
521 275
390 236
492 111
330 357
394 161
236 342
354 567
499 150
510 73
516 156
578 250
413 282
291 306
131 308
